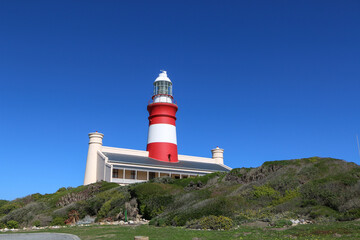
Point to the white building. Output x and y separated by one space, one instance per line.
126 166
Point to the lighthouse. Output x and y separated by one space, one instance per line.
126 166
162 143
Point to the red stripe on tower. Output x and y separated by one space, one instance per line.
162 144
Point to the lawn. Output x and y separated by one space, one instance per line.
337 230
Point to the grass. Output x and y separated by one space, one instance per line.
337 230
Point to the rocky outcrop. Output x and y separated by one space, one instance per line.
246 175
80 196
132 211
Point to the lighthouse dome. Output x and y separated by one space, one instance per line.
162 77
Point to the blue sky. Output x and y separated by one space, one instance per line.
265 80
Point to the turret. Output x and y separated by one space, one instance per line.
95 144
218 155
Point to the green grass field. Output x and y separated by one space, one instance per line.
336 230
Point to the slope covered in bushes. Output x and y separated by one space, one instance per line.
321 189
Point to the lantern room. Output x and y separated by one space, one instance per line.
163 89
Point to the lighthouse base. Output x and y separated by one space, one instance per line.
163 151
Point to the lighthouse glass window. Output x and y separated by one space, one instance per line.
163 88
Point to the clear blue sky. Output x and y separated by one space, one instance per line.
265 80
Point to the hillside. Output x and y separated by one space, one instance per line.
318 189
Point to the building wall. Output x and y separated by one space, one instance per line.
107 173
100 168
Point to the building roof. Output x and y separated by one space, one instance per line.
146 161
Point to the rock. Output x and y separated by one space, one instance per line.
141 238
295 222
75 197
86 220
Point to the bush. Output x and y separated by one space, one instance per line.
58 221
12 224
26 214
211 222
265 191
327 194
2 225
350 215
203 179
36 223
289 195
153 198
3 202
282 223
107 204
44 220
63 189
8 207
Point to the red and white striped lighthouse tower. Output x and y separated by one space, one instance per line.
162 144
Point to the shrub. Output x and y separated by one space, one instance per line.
158 222
265 191
36 196
323 211
58 221
8 207
326 194
153 198
3 202
211 222
289 195
25 215
104 210
2 225
44 220
282 223
350 215
203 179
12 224
36 223
220 206
63 189
152 207
107 204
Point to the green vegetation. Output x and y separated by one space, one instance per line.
12 224
317 189
58 221
324 231
37 223
282 223
211 222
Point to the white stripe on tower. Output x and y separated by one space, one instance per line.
162 133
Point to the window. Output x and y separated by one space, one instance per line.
115 173
152 175
163 87
133 173
130 174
